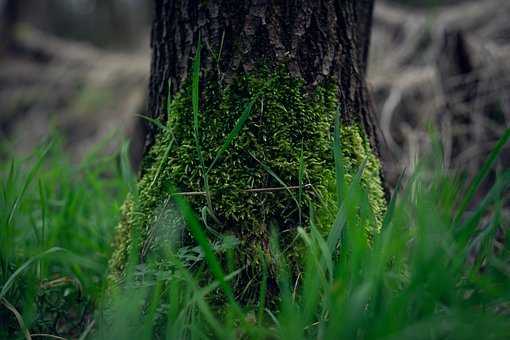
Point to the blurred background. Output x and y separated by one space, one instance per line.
439 70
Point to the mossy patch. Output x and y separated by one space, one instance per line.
288 126
357 152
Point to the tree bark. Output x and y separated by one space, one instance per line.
317 39
292 66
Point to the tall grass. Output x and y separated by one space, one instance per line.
56 223
437 270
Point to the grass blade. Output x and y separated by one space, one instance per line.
155 122
162 162
301 175
339 162
19 318
196 90
195 98
28 180
234 133
278 179
211 258
484 171
391 205
24 267
341 217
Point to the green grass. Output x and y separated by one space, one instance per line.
439 268
55 230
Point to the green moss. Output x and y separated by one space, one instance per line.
122 240
356 149
286 123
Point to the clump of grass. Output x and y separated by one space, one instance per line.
55 230
436 270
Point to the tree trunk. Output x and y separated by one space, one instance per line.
289 67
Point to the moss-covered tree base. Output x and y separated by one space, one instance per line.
279 163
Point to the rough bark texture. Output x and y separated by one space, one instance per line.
318 40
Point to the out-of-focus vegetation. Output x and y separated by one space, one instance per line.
111 24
